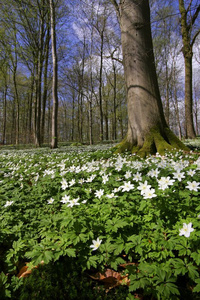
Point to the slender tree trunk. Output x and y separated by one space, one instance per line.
177 113
189 124
90 122
186 29
45 90
73 111
54 137
121 126
39 70
81 93
147 129
106 119
91 92
38 101
31 108
4 114
16 106
196 110
167 95
78 115
114 103
100 87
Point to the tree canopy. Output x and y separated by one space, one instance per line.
91 88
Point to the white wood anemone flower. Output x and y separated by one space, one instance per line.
96 244
186 230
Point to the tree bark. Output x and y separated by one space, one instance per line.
188 42
45 90
148 131
38 101
4 112
73 113
189 123
16 105
54 136
100 85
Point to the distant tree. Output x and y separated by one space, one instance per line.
4 78
54 137
188 20
148 131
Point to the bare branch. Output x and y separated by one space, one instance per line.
189 6
114 58
194 37
114 2
194 16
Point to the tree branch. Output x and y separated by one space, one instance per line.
188 8
194 16
114 2
114 58
194 37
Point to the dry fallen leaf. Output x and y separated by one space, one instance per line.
111 278
25 271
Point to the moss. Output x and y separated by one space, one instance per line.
174 141
148 146
154 142
123 146
135 149
161 144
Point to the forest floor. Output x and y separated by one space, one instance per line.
80 222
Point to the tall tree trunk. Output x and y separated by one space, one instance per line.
54 137
189 123
147 129
73 112
45 90
114 102
38 97
106 118
167 95
40 60
16 105
31 108
4 113
187 24
91 90
177 108
196 110
90 122
81 92
100 87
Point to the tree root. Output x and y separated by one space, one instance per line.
154 142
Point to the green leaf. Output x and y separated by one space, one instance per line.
193 273
70 252
119 249
92 262
143 204
179 266
196 289
47 257
3 278
196 257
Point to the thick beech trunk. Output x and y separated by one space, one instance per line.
148 131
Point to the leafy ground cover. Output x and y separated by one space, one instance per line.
89 224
